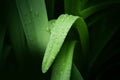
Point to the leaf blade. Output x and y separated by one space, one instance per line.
85 13
34 19
58 34
61 69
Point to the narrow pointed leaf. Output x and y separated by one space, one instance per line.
80 9
16 33
58 35
78 6
82 29
61 69
34 19
93 9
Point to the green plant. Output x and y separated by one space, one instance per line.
59 40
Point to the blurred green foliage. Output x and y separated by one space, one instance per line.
26 28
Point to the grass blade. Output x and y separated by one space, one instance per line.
58 35
93 9
16 33
34 19
78 6
61 69
82 29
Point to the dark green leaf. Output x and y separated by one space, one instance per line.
16 33
74 6
75 74
95 8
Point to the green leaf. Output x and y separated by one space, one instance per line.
34 19
95 8
61 69
80 9
51 24
84 52
16 34
78 6
82 29
58 35
75 74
